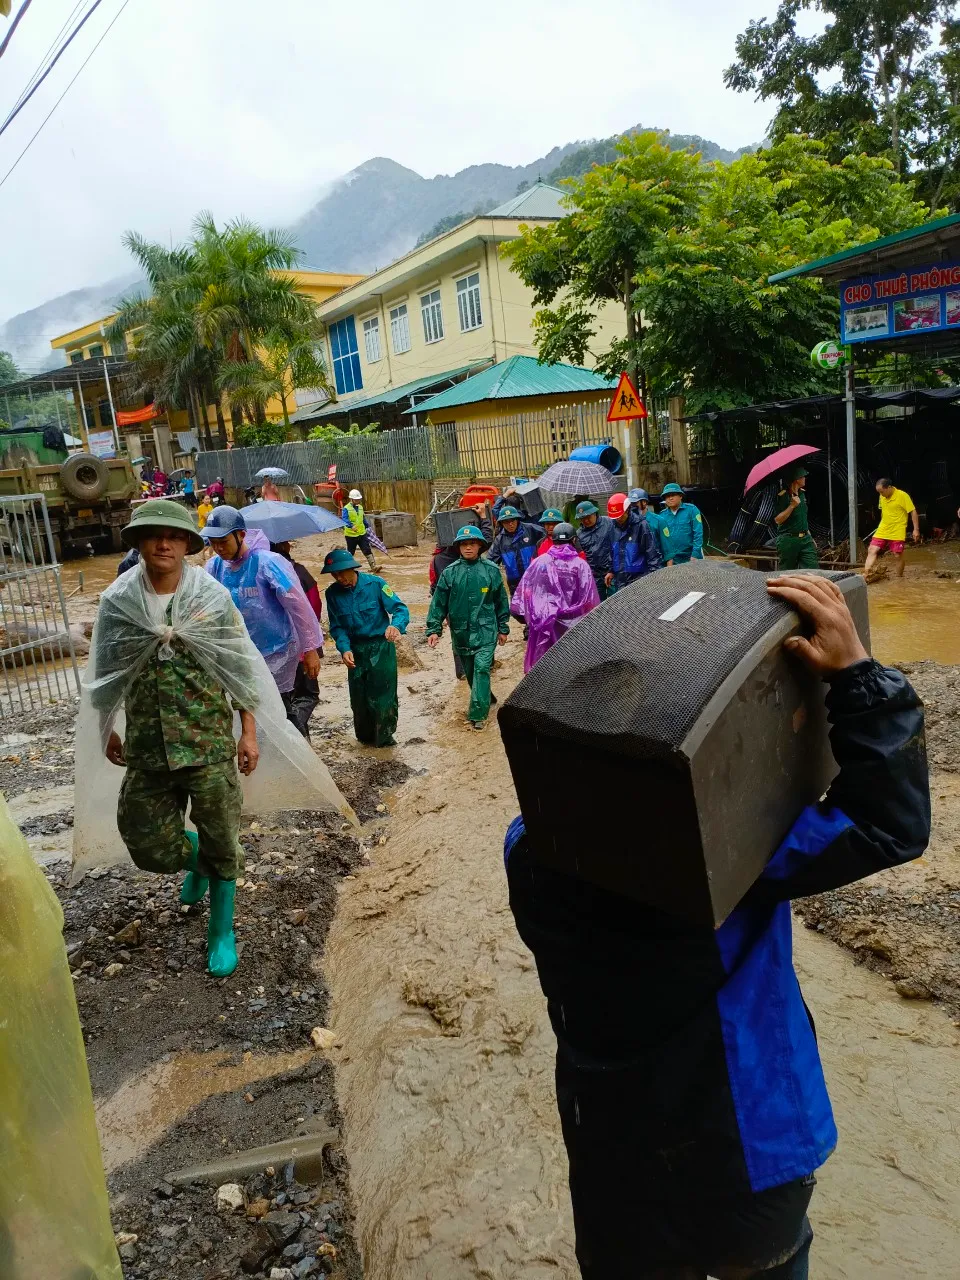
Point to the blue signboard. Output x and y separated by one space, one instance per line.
917 300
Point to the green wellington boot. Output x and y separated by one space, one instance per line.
195 885
221 942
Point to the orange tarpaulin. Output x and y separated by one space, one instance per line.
127 417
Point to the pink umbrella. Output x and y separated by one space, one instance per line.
776 462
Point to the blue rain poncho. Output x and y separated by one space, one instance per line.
266 590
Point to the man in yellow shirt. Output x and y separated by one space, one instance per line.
891 533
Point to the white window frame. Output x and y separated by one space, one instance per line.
400 329
431 312
371 339
468 302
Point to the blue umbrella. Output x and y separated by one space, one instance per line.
284 521
272 473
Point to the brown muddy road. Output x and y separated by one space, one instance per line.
457 1165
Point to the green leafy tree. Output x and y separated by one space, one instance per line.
341 436
37 411
619 215
278 367
862 84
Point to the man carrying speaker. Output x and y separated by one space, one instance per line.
515 545
691 1095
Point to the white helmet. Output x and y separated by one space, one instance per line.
356 495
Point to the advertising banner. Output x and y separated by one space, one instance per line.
917 300
128 417
102 444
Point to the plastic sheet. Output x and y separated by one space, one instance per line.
556 590
54 1218
281 622
130 630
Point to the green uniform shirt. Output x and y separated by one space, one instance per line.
797 522
472 597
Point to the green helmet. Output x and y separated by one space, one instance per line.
550 516
470 533
672 487
337 560
509 513
161 513
586 509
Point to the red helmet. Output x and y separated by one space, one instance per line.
616 504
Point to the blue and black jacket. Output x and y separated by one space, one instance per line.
686 1059
596 544
515 551
634 550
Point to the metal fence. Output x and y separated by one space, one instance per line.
37 662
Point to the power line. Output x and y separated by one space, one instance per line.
63 95
53 45
13 26
59 54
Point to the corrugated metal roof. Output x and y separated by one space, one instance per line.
392 395
539 201
517 377
868 259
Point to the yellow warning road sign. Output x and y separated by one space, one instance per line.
626 403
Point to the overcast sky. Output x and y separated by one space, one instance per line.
250 106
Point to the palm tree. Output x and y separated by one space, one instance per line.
279 367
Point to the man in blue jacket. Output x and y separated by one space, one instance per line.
680 526
515 545
690 1091
634 549
595 535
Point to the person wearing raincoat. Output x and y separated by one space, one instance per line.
680 527
306 691
515 545
472 598
367 618
556 590
595 535
179 744
266 590
634 550
357 532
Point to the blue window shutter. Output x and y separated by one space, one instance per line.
346 356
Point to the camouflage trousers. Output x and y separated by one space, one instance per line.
151 811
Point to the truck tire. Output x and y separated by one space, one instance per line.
85 477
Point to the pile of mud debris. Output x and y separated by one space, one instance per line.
905 923
146 1003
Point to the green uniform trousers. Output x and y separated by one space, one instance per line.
151 810
796 553
373 692
477 667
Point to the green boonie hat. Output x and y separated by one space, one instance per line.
550 516
338 560
586 509
797 473
672 487
508 513
470 533
161 513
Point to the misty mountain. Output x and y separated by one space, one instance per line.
363 221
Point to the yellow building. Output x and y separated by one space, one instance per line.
437 315
94 373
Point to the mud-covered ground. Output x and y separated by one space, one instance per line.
905 923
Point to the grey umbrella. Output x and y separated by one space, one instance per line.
577 477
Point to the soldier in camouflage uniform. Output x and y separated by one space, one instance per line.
179 745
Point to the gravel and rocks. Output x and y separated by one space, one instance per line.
905 923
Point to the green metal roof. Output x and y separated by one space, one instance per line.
539 201
392 395
870 258
517 377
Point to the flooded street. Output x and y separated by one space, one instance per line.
445 1074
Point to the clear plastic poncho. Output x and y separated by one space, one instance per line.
556 590
54 1219
266 590
131 628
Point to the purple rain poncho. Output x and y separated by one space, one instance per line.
556 590
266 590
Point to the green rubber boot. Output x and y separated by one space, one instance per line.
221 942
195 885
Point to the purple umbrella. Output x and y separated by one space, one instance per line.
577 477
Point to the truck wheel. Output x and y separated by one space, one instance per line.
85 477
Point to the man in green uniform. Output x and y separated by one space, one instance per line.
179 744
471 596
366 618
796 549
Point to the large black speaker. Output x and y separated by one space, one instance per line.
664 747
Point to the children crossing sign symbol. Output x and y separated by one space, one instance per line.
626 403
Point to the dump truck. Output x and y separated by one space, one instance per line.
88 499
